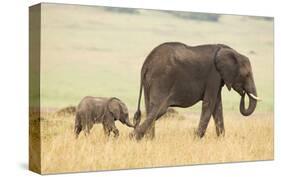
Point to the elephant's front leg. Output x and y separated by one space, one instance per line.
106 130
115 130
110 126
218 117
149 124
207 109
209 101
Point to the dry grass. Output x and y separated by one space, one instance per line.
174 144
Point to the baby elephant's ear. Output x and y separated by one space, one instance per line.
114 108
123 107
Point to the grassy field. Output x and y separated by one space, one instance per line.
174 144
94 51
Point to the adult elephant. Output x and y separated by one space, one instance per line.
177 75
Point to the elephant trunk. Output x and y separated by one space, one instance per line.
128 123
252 103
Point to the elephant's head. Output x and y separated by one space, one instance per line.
119 111
236 72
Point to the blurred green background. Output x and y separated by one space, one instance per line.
99 51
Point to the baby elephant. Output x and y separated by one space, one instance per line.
92 110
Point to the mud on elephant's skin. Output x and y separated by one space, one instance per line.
177 75
92 110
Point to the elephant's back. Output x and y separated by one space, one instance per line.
90 100
165 60
164 51
91 106
167 54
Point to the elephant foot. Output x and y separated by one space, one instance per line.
132 135
220 133
137 135
199 133
116 133
76 136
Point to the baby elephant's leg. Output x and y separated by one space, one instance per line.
89 126
106 130
115 131
87 130
110 126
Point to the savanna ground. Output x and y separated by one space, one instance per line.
96 51
174 144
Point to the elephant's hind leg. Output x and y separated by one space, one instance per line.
150 134
151 130
148 126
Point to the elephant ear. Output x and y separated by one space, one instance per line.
114 108
227 65
123 107
123 112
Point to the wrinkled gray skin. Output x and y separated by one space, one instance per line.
93 110
177 75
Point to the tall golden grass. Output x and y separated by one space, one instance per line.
246 139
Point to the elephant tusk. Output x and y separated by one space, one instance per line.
254 97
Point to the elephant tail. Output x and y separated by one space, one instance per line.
137 115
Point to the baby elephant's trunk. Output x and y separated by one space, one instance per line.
128 123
